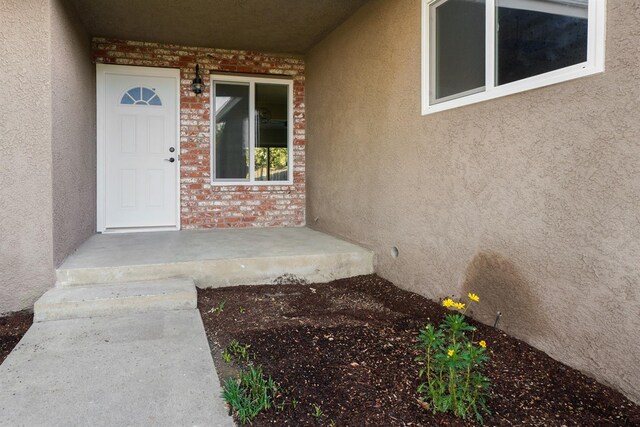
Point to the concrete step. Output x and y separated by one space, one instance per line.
215 258
116 299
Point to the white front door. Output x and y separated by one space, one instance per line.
138 147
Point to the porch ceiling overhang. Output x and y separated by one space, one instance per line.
277 26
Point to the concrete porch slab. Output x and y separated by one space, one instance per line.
215 258
139 370
115 299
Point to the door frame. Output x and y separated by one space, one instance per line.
101 71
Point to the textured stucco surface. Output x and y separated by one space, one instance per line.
283 26
47 191
73 132
26 269
532 200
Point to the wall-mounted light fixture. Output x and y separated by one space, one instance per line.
196 85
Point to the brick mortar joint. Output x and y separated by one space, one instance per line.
195 127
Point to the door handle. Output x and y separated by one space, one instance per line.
170 159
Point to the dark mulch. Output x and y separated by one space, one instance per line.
12 328
349 347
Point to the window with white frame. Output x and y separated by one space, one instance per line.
251 130
475 50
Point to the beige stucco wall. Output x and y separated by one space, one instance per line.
46 148
25 153
532 200
74 132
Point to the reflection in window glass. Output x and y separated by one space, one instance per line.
231 131
458 47
538 36
272 134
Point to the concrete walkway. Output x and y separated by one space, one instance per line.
119 341
148 368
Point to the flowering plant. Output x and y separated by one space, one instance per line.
453 365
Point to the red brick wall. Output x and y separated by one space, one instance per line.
202 204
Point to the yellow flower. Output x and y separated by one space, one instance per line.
474 297
459 305
450 352
483 344
448 302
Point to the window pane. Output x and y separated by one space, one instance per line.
147 94
538 36
127 100
231 131
458 47
155 100
272 132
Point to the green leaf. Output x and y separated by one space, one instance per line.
459 374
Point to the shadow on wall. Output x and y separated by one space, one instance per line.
503 289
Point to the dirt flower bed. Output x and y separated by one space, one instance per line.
344 354
12 328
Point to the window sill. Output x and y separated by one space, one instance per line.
552 78
251 184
